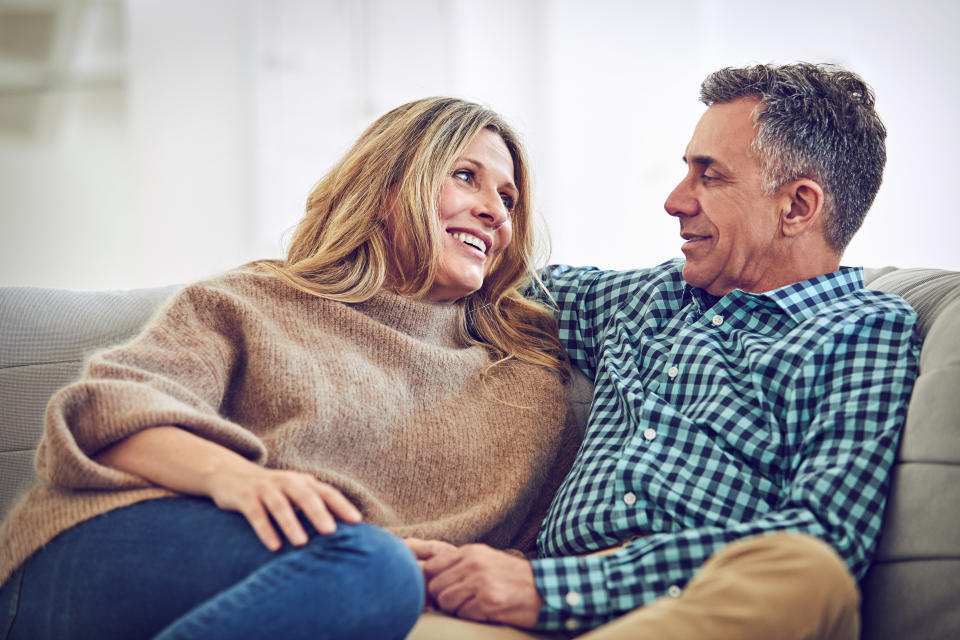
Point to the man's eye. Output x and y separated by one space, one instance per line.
508 202
708 178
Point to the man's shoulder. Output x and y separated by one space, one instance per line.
864 320
838 297
862 304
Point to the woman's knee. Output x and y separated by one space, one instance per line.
358 582
377 567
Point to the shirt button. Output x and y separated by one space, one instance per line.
717 321
572 624
630 497
573 598
673 372
674 591
649 434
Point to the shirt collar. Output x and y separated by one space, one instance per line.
799 300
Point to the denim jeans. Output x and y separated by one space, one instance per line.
178 568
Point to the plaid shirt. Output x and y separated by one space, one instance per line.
714 419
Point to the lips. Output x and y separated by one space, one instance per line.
693 241
473 239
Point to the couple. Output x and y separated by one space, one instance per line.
263 458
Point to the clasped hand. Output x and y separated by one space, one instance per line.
478 582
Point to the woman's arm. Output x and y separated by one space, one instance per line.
182 461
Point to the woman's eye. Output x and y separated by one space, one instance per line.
508 202
463 174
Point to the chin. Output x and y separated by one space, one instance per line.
690 275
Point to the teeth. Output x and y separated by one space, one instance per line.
471 240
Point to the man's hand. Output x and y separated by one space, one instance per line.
479 583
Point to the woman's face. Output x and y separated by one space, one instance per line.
476 199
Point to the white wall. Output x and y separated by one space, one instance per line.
231 109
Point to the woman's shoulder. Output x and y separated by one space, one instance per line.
253 281
231 298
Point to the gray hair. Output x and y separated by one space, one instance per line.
815 121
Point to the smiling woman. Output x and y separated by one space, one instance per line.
389 370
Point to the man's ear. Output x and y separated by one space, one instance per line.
802 206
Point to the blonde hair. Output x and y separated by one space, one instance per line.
343 249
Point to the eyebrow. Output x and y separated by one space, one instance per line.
704 160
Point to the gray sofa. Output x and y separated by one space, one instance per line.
912 591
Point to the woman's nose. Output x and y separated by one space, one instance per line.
491 210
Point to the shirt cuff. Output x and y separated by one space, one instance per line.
574 591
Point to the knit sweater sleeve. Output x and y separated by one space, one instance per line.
176 372
577 393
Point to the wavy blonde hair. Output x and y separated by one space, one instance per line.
343 249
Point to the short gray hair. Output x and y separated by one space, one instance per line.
815 121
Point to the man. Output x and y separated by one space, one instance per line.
748 399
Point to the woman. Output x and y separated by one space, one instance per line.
221 474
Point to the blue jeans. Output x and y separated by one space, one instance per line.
178 568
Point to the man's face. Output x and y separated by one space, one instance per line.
729 225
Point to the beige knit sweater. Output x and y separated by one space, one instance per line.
378 399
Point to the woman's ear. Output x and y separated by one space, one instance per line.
802 206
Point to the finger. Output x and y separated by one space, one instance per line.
260 522
338 504
426 549
313 508
278 504
440 582
442 560
420 548
454 597
472 609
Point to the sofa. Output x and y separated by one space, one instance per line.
911 592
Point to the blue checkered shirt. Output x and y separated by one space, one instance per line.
714 419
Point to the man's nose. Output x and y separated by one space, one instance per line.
681 201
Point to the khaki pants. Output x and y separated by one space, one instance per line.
763 588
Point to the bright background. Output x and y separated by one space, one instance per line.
145 142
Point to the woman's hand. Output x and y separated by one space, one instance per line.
176 459
261 494
426 550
